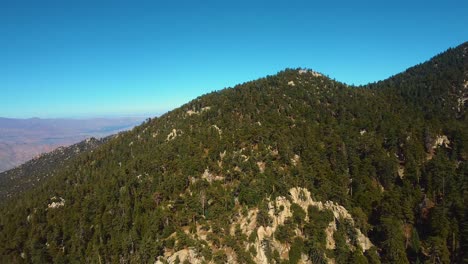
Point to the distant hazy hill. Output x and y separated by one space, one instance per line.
23 139
290 168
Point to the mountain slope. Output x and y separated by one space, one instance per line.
23 139
437 87
15 181
289 168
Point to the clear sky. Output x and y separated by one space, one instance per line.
102 58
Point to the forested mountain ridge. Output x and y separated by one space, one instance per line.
438 86
289 168
15 181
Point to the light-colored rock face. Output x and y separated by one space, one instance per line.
329 232
291 83
221 158
261 166
363 241
279 216
305 259
210 177
295 160
279 210
193 112
440 141
273 151
301 196
187 254
222 155
220 132
174 134
401 171
314 73
461 102
56 202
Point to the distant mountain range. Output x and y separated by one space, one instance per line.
23 139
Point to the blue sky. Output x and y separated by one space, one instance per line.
107 58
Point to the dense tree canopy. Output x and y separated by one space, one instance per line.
394 153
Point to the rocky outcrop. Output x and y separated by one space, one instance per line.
174 134
280 211
302 197
261 166
329 232
217 129
187 254
210 177
194 112
441 141
314 73
56 202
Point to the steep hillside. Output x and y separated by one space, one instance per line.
438 87
291 168
15 181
